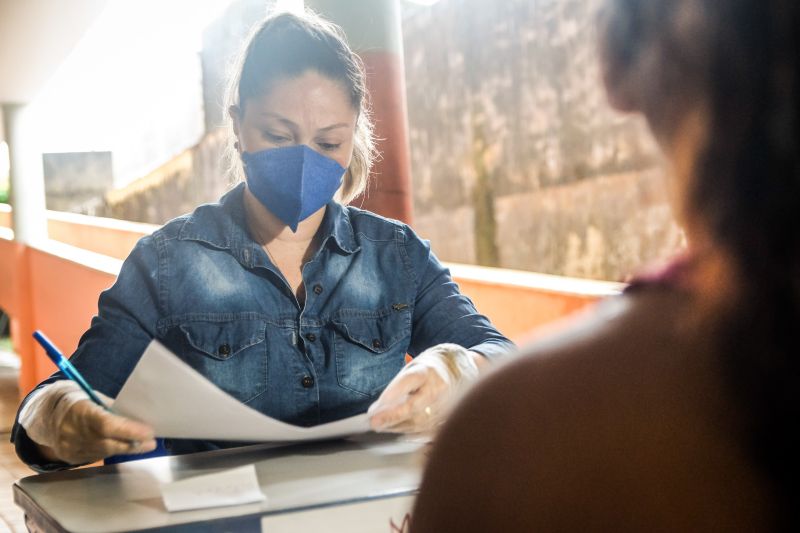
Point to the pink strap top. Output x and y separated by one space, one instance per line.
676 273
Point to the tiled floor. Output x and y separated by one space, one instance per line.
11 469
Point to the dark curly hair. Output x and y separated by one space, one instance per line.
740 59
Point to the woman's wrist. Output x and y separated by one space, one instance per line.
480 360
46 452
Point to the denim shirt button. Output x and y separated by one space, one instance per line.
318 289
310 337
376 343
307 382
224 350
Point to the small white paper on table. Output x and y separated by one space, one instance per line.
229 487
178 402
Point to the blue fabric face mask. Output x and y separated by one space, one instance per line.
292 182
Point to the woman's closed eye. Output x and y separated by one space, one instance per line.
276 138
329 147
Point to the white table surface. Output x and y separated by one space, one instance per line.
126 497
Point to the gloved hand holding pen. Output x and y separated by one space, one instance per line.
69 427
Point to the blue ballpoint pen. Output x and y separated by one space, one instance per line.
66 367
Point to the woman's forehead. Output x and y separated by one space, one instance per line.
308 98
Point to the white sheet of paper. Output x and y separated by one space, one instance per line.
178 402
229 487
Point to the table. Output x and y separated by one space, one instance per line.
362 484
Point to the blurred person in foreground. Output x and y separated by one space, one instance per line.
672 407
283 296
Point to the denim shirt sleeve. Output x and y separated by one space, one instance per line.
109 350
125 323
441 313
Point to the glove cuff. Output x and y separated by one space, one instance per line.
42 414
453 360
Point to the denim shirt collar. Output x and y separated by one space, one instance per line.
336 226
223 226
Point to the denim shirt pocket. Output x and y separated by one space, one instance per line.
370 347
230 352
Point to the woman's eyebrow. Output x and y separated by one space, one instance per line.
281 118
286 121
334 126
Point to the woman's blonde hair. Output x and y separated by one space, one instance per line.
284 46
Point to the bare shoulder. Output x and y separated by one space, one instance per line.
615 423
632 345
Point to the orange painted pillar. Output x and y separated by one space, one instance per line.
23 322
15 300
373 29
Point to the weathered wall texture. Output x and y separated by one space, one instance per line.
505 102
222 42
192 178
196 176
77 181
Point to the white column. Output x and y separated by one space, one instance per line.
27 176
3 160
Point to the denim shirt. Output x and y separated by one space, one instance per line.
206 290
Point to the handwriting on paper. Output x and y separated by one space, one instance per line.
230 487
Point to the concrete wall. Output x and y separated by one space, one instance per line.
195 176
76 182
505 104
222 41
192 178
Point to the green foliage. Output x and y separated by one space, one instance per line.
3 196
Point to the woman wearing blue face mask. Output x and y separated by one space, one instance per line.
299 306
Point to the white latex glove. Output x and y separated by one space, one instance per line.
418 399
76 430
